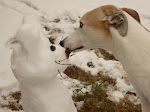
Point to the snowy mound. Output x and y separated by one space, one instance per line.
33 50
35 65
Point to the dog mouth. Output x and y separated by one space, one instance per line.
77 49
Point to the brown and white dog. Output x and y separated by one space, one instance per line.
120 31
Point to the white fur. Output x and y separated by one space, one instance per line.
89 38
133 51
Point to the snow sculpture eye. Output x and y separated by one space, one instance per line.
53 48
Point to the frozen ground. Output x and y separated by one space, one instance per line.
69 13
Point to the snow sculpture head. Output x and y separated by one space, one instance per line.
32 57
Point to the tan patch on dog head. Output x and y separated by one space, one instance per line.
102 18
94 19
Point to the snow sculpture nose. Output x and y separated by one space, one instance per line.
62 43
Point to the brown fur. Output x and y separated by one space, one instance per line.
109 7
94 19
132 13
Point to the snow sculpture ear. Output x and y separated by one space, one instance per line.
117 19
30 20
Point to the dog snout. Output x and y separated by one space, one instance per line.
61 43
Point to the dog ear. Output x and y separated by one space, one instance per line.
132 13
117 19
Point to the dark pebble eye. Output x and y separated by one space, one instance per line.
53 48
81 24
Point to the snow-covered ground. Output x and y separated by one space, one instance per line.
68 13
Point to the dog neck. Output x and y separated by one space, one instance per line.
133 49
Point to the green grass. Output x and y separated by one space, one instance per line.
14 103
97 99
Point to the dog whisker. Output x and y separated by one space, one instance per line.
65 58
62 60
62 64
60 73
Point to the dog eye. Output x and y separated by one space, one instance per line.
81 24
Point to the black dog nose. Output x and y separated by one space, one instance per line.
61 43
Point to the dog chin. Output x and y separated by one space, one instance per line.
77 49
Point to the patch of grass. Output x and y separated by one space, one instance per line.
92 99
79 74
107 80
124 106
106 54
13 106
96 101
16 95
14 103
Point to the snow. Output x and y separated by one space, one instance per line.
11 16
118 95
69 13
33 64
85 5
9 23
81 59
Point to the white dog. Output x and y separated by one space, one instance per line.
120 31
33 64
